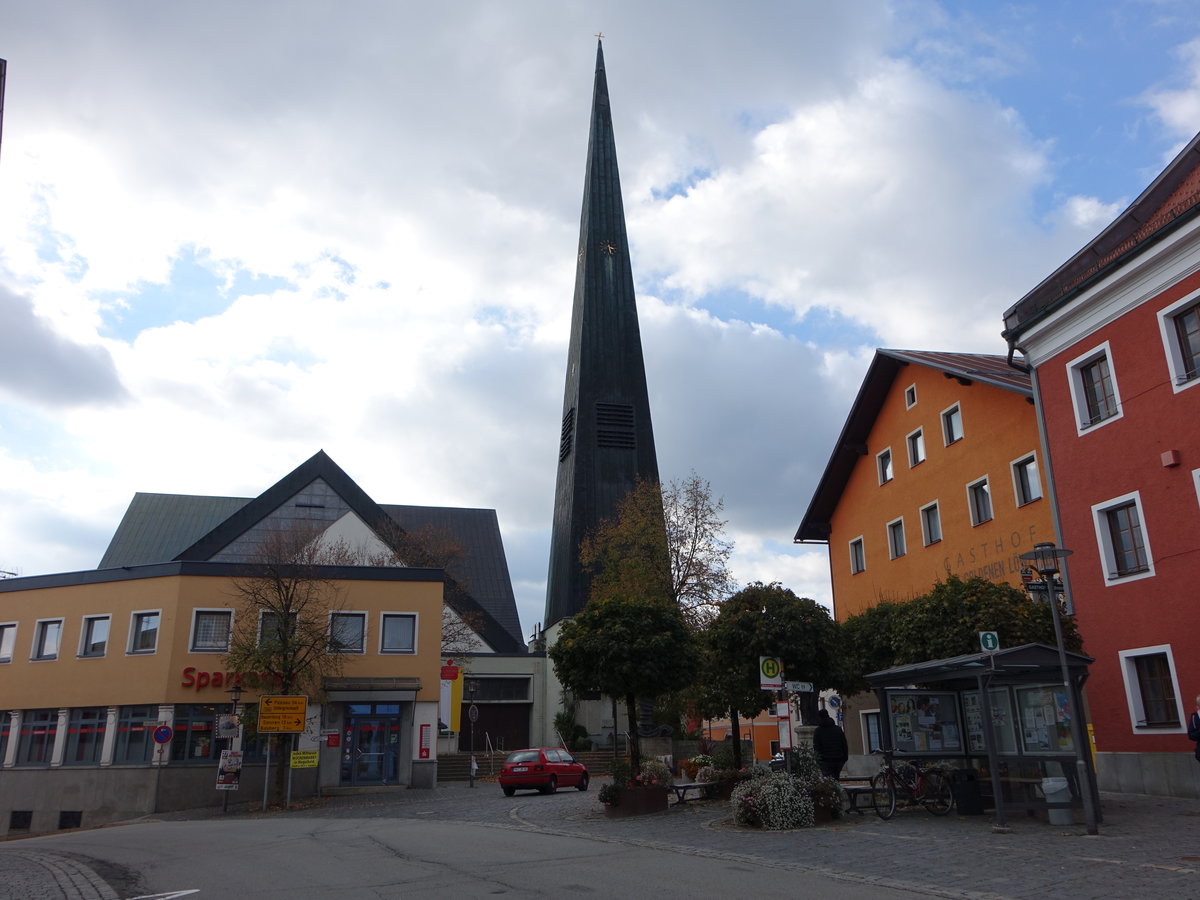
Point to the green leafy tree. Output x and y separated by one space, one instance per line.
627 647
764 620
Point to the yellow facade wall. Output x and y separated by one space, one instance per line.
999 428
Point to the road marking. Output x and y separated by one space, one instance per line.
169 895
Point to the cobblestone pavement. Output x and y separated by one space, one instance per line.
1147 846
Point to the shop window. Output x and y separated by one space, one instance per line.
85 736
895 536
210 630
952 425
36 741
883 461
94 639
858 556
135 735
931 523
399 633
143 632
46 636
1152 688
347 632
1094 391
194 735
8 639
979 501
70 818
1124 545
1027 483
5 731
916 447
1180 327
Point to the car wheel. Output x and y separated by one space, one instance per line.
509 791
583 782
551 785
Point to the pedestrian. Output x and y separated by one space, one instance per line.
474 769
1194 727
829 744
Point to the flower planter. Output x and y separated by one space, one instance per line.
822 816
637 802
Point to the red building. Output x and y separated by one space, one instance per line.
1113 337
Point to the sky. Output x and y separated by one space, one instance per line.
233 234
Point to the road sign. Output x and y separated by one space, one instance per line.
770 673
304 759
473 713
163 734
280 714
799 687
989 640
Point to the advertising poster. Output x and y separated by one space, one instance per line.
229 773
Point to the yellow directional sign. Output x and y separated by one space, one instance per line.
279 714
304 759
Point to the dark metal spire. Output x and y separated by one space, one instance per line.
606 441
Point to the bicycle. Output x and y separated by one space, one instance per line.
929 788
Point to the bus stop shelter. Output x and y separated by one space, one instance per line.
939 709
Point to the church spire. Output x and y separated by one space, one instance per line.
606 441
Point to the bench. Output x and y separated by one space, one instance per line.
858 793
682 790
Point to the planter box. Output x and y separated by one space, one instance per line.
637 802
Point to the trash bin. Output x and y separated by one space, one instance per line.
1058 790
966 792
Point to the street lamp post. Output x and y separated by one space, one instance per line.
1045 557
472 714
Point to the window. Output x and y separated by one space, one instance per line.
210 630
1152 688
347 632
399 633
276 629
1124 547
143 636
884 462
979 500
135 735
46 636
952 425
872 736
94 640
8 639
858 556
1026 482
916 447
193 739
895 535
85 736
1094 388
1180 326
910 396
931 523
38 730
5 731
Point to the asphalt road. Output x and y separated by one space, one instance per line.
462 842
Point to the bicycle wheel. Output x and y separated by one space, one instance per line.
883 796
936 793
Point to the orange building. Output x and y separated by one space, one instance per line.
936 471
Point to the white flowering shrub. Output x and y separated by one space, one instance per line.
773 801
654 774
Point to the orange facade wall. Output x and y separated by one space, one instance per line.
999 428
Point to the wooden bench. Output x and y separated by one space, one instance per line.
858 793
682 790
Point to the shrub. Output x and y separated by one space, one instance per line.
773 801
654 774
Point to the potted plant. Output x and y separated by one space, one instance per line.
631 795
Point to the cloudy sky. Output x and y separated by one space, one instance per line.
232 234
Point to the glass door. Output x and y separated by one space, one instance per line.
370 752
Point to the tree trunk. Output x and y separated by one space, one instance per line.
635 743
735 727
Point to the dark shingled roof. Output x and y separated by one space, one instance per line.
851 444
159 528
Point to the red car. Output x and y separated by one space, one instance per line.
546 769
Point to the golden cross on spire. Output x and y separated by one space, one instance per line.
600 35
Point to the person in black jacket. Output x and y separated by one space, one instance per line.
829 744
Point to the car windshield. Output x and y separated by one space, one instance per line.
522 756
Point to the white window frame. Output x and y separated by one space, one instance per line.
953 407
863 547
363 615
879 468
1108 558
133 620
891 543
1016 480
1196 480
910 391
383 616
865 729
39 640
972 507
1078 397
1166 327
201 610
925 531
12 646
84 632
1133 693
918 433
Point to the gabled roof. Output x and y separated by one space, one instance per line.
1171 200
159 528
966 368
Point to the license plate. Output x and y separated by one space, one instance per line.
520 768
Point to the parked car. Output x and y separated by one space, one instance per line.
543 768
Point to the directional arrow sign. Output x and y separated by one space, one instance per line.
280 714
